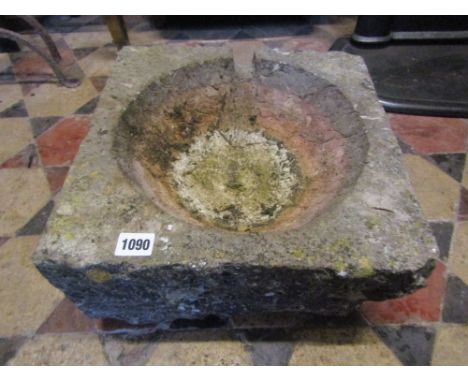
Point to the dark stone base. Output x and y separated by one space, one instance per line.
168 295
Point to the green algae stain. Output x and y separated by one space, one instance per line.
372 222
348 259
68 236
364 268
298 253
98 275
342 247
236 179
339 265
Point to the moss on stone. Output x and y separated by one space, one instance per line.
236 179
364 268
98 275
372 222
298 253
342 246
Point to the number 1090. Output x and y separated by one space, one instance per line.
137 244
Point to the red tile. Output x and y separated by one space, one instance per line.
318 44
422 305
59 144
99 82
463 208
25 158
30 66
67 318
431 135
56 177
3 240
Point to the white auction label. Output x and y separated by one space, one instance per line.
134 244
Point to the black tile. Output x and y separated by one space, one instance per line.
38 222
18 110
306 30
405 148
456 301
67 24
241 35
463 207
7 75
181 36
269 347
8 348
443 234
88 107
41 124
412 345
27 157
83 52
451 164
8 46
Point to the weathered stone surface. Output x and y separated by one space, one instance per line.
352 231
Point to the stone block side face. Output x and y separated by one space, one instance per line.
163 294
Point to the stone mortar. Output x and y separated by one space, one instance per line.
352 232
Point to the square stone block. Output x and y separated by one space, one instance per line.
271 182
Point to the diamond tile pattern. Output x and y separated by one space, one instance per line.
41 127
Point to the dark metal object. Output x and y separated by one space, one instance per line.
54 52
380 29
417 78
118 30
53 60
373 29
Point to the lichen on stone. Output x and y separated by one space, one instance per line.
98 275
236 179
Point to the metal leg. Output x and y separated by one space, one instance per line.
44 35
118 30
67 82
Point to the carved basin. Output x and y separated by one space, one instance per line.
267 152
270 182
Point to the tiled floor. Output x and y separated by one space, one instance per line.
41 127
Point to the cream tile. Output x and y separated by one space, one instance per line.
51 99
343 26
341 346
437 192
61 350
458 258
26 298
121 351
5 61
15 133
9 95
195 349
99 63
87 39
23 192
451 346
145 38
